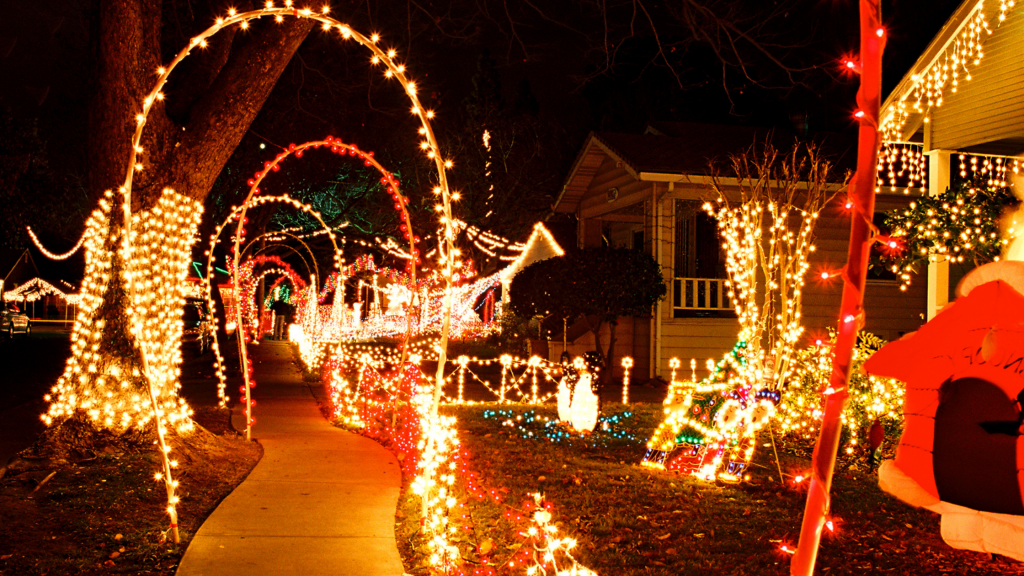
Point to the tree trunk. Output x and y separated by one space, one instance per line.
227 93
231 83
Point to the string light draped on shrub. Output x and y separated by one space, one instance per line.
958 225
872 399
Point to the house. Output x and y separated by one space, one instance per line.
39 284
961 120
645 191
17 266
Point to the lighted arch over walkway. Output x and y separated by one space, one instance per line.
447 254
388 180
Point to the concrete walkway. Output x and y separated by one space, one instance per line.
321 501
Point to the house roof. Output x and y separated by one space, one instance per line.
16 266
979 104
669 149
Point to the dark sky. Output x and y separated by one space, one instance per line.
44 46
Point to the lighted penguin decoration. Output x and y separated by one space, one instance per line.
577 403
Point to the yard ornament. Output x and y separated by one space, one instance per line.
577 403
584 404
565 397
962 450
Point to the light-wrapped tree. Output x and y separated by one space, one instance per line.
766 222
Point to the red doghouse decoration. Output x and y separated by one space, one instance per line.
962 452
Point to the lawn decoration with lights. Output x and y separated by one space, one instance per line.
126 339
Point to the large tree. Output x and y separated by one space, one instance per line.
598 285
210 103
186 143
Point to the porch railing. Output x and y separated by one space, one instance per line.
700 294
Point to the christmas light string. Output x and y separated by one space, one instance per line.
154 253
872 399
960 224
37 288
441 473
941 77
341 148
51 255
157 340
277 238
902 162
448 255
220 369
873 38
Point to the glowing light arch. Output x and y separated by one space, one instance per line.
447 253
393 188
438 437
246 297
313 270
237 212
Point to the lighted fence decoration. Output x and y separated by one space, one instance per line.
394 407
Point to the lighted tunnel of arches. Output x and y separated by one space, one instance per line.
336 146
220 369
150 251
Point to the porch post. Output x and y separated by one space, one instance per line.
938 272
656 253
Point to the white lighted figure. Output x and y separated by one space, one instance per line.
357 315
583 412
398 298
564 399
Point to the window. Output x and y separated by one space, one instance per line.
638 240
880 268
698 252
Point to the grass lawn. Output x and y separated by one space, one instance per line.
105 514
631 520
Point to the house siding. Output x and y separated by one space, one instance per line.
889 311
632 338
990 106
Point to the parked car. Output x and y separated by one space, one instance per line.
12 322
196 326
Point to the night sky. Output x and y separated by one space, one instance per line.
555 52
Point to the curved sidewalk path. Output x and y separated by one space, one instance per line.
321 501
